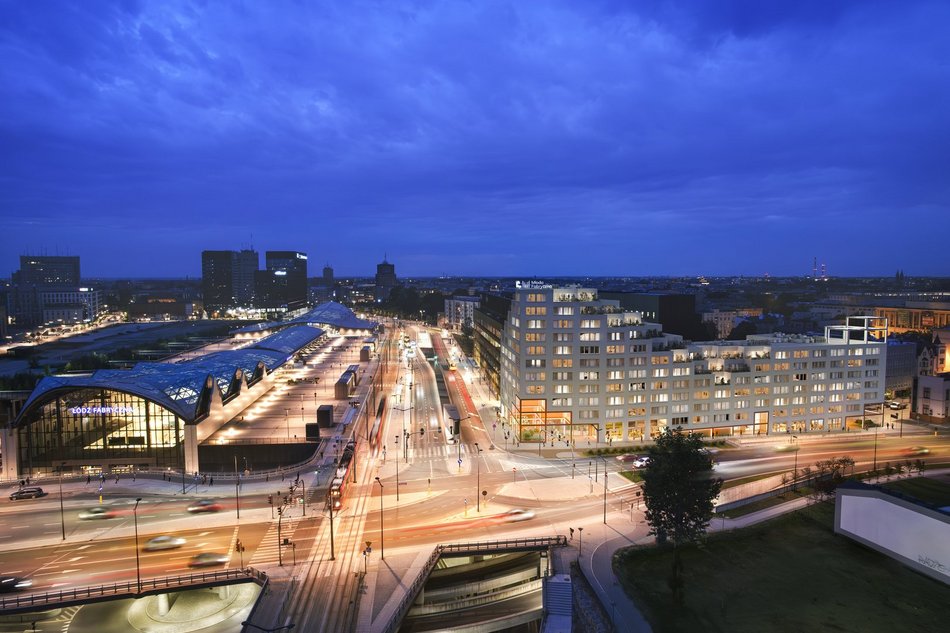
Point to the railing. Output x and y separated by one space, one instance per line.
480 546
127 589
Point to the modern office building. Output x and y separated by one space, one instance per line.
489 319
246 263
328 276
70 305
283 284
933 397
39 274
901 366
460 312
228 279
576 367
385 280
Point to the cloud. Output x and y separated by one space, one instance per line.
495 127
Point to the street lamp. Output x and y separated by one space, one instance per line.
875 448
795 471
478 479
135 520
580 536
62 516
382 548
237 491
397 470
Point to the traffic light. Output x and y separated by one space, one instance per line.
270 499
422 431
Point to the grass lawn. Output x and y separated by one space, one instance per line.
923 488
632 475
731 483
768 502
789 574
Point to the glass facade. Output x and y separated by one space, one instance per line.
100 428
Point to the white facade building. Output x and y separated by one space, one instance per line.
574 366
460 312
70 305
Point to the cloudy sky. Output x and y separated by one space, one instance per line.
498 138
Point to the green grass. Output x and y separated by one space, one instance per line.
923 488
789 574
632 475
762 504
745 480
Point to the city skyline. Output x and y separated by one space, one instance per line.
492 139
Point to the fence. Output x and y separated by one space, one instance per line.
96 593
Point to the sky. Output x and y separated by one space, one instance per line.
595 137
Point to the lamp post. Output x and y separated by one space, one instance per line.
332 556
303 489
875 448
237 489
478 479
135 520
605 492
580 544
397 470
287 421
382 548
62 515
795 470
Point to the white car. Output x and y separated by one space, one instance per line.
641 462
518 515
163 542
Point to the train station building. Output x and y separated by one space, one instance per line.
155 414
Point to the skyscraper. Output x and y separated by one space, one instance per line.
328 276
385 280
284 282
227 278
38 275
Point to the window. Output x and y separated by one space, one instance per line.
590 336
562 350
535 297
590 349
562 362
564 310
535 324
589 324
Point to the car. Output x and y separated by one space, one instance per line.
164 541
641 462
204 505
916 450
207 559
628 457
517 515
14 583
28 493
894 405
98 512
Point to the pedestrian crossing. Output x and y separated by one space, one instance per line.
267 551
438 451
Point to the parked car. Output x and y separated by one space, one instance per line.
28 493
164 541
518 515
14 583
207 559
98 512
204 505
894 405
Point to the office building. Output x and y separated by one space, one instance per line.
675 312
385 280
489 319
577 367
901 366
328 276
39 287
282 285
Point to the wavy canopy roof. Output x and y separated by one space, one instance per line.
177 386
330 313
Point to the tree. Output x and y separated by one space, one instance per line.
678 488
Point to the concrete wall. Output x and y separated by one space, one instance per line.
916 535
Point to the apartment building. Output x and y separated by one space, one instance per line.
577 367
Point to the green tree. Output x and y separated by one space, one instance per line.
678 488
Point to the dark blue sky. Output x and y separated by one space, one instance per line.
497 138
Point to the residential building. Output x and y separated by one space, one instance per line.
726 320
460 312
578 368
933 397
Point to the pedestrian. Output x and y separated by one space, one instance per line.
87 478
133 475
211 481
27 481
572 533
117 478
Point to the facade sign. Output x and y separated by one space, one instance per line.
101 410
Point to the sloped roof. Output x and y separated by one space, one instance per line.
177 386
330 313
